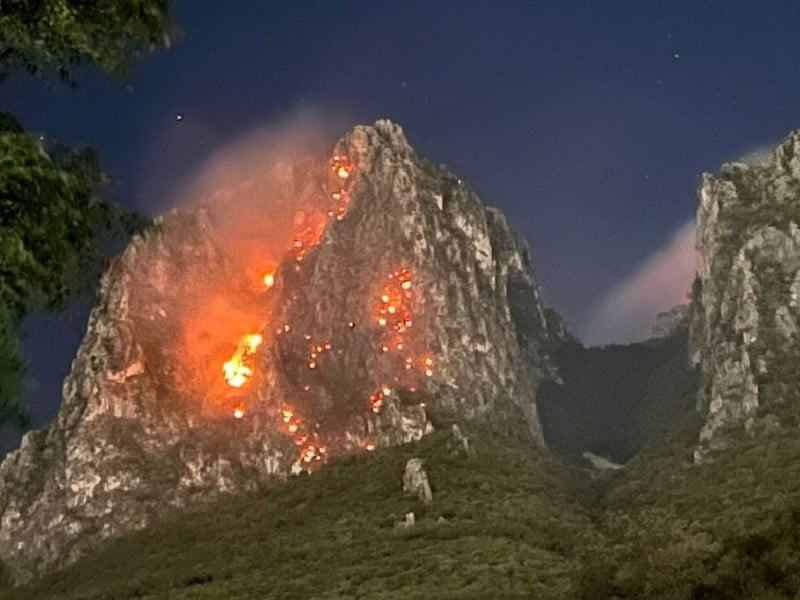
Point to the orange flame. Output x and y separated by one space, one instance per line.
238 369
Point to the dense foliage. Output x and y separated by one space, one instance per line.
51 224
52 218
508 521
614 398
51 37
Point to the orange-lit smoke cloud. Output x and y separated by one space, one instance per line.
259 191
627 312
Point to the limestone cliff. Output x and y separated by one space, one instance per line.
214 362
746 298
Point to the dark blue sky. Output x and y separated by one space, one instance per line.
588 123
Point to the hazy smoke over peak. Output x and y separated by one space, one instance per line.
257 202
257 187
758 155
190 159
627 312
258 151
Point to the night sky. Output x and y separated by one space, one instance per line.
587 123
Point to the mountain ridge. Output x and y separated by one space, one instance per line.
707 504
327 307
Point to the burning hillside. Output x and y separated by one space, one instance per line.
319 306
228 324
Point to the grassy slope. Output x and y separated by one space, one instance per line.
725 531
510 529
518 523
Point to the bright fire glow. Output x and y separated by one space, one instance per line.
269 279
342 166
238 369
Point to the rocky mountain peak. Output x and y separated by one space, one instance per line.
328 306
745 310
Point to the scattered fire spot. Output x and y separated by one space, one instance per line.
341 166
269 279
312 452
401 362
428 366
369 446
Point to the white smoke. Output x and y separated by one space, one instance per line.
627 312
757 156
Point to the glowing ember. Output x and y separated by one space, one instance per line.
376 402
401 361
269 280
341 166
369 446
238 413
312 452
428 366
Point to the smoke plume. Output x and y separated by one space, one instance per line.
627 312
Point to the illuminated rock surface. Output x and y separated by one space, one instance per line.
746 308
209 367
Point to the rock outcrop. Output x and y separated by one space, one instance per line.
670 321
215 363
415 480
746 298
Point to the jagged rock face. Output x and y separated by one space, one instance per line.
393 291
475 304
746 299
